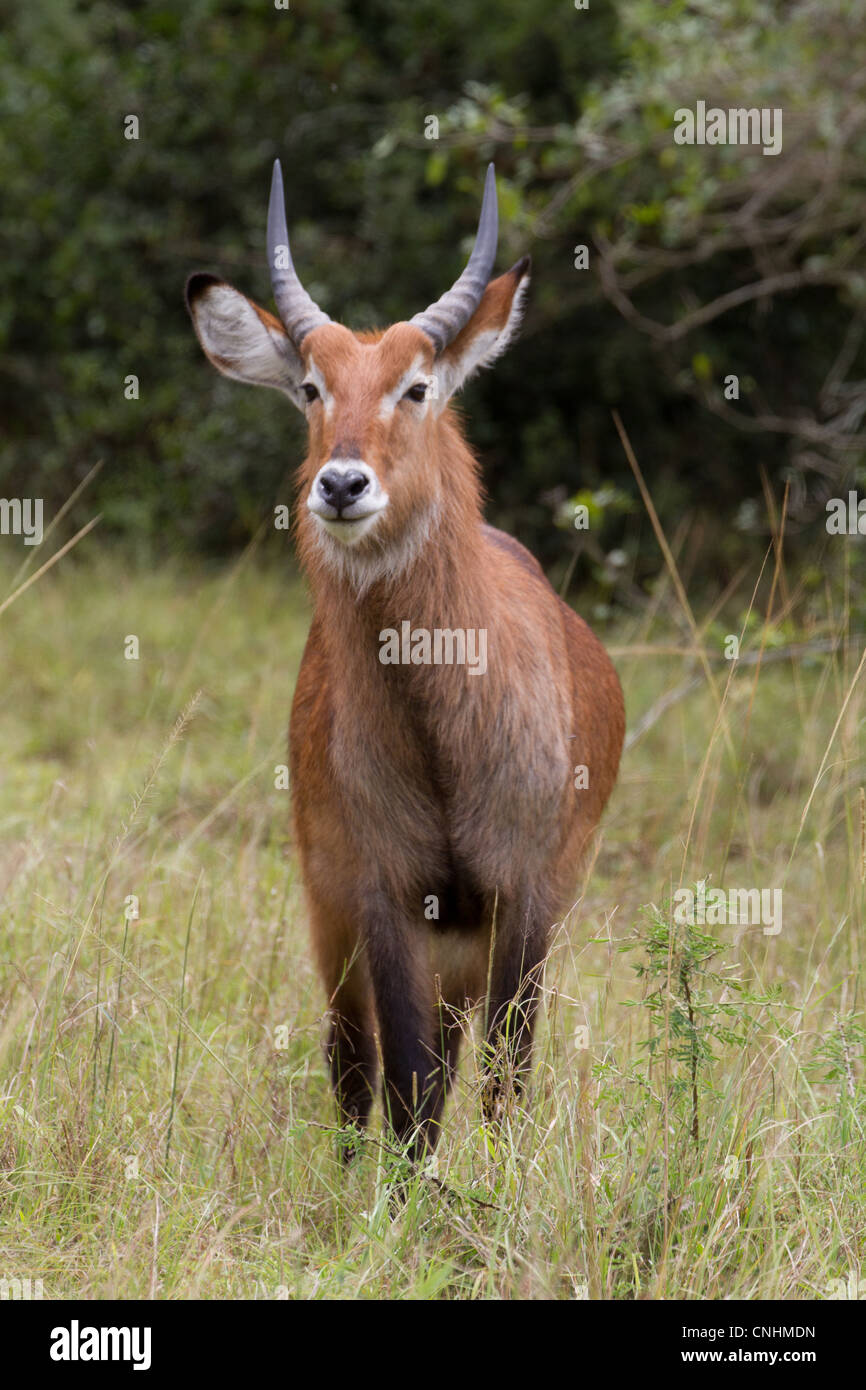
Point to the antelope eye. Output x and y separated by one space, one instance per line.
310 391
418 392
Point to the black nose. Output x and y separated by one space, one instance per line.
340 489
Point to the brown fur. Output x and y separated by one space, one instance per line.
419 781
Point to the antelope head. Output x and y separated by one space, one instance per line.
381 445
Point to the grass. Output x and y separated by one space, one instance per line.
695 1122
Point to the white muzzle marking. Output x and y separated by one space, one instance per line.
347 523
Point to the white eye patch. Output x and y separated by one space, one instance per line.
409 378
318 380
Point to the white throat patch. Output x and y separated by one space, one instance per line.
374 560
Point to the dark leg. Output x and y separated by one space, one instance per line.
449 1036
519 952
351 1054
413 1083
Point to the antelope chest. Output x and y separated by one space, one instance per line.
480 784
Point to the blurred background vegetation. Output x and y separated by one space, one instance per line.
703 261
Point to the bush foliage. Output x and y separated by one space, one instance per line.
704 261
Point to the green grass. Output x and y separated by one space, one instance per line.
114 1032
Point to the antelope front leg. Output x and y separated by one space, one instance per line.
519 951
351 1055
413 1080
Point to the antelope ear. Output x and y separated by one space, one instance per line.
487 334
242 340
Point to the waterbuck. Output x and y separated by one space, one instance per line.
438 818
